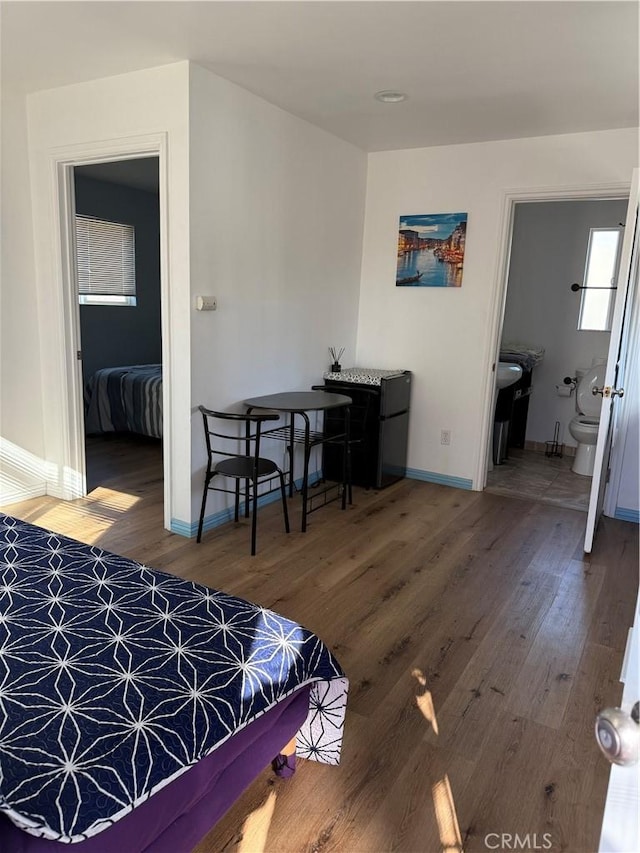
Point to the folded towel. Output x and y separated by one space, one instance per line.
523 354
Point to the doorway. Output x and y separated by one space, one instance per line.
549 243
117 270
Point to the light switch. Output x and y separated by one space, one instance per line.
206 303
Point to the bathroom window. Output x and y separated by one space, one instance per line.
598 296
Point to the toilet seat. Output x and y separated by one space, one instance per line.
584 426
586 421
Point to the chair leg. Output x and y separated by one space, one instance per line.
292 480
246 499
254 518
346 475
284 502
305 480
203 506
292 485
346 461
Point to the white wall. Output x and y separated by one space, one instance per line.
250 156
265 212
110 113
548 254
276 211
448 336
22 451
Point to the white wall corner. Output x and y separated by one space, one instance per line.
22 474
135 114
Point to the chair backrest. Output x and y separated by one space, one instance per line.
361 407
219 442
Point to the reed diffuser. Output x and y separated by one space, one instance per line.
336 355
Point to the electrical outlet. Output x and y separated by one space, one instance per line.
445 436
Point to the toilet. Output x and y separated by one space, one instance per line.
584 426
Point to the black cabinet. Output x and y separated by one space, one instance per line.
512 406
520 409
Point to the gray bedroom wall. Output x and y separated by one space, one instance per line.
117 335
548 254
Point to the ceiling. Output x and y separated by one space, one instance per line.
473 71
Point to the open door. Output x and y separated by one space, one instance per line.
613 387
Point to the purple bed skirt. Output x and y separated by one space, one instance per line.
178 816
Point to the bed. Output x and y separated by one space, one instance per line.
135 706
125 399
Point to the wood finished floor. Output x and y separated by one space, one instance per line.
478 639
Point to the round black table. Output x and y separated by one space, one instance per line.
298 403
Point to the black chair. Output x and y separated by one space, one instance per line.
245 465
361 430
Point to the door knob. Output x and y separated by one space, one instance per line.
607 391
618 734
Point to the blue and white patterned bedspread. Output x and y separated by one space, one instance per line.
125 399
115 678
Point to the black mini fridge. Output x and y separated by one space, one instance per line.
379 425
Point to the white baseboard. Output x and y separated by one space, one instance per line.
66 485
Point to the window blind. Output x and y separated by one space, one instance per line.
106 257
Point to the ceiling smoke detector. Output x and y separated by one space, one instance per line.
388 96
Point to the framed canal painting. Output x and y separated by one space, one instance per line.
431 250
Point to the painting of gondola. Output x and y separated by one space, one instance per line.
431 250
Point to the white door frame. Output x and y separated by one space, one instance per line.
511 197
626 277
622 414
62 163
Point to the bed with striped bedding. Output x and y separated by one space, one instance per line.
125 399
